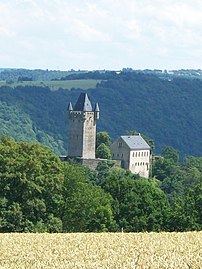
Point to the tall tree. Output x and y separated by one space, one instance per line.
103 152
31 179
138 204
170 153
86 207
103 137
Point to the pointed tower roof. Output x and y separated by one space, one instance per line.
70 108
83 103
97 109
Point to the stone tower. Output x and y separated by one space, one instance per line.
82 128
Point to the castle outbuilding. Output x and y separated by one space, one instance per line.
134 153
82 128
130 152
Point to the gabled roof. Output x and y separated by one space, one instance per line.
83 103
135 142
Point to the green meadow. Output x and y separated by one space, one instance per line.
56 84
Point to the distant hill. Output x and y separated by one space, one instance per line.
10 75
167 110
55 85
14 74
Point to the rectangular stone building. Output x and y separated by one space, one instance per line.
134 153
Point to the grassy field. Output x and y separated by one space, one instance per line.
105 250
55 85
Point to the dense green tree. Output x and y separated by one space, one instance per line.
31 179
86 207
103 141
182 185
138 204
163 168
103 137
103 152
191 162
193 207
186 211
178 221
171 154
39 193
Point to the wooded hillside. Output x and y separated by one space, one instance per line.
167 110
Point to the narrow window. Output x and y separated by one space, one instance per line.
120 144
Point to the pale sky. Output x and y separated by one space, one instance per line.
101 34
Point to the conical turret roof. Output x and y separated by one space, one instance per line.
83 103
96 109
70 108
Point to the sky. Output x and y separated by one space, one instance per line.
101 34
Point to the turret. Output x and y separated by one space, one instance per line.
96 112
82 128
70 108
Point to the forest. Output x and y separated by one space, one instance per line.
40 193
166 109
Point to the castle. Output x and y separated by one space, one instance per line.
131 151
82 128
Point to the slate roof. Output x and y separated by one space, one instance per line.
70 108
96 109
135 142
83 103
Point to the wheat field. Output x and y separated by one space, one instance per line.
101 250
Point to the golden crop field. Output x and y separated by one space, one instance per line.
101 250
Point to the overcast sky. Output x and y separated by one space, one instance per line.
101 34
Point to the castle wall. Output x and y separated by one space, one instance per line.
75 138
89 136
90 163
139 162
120 151
82 134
